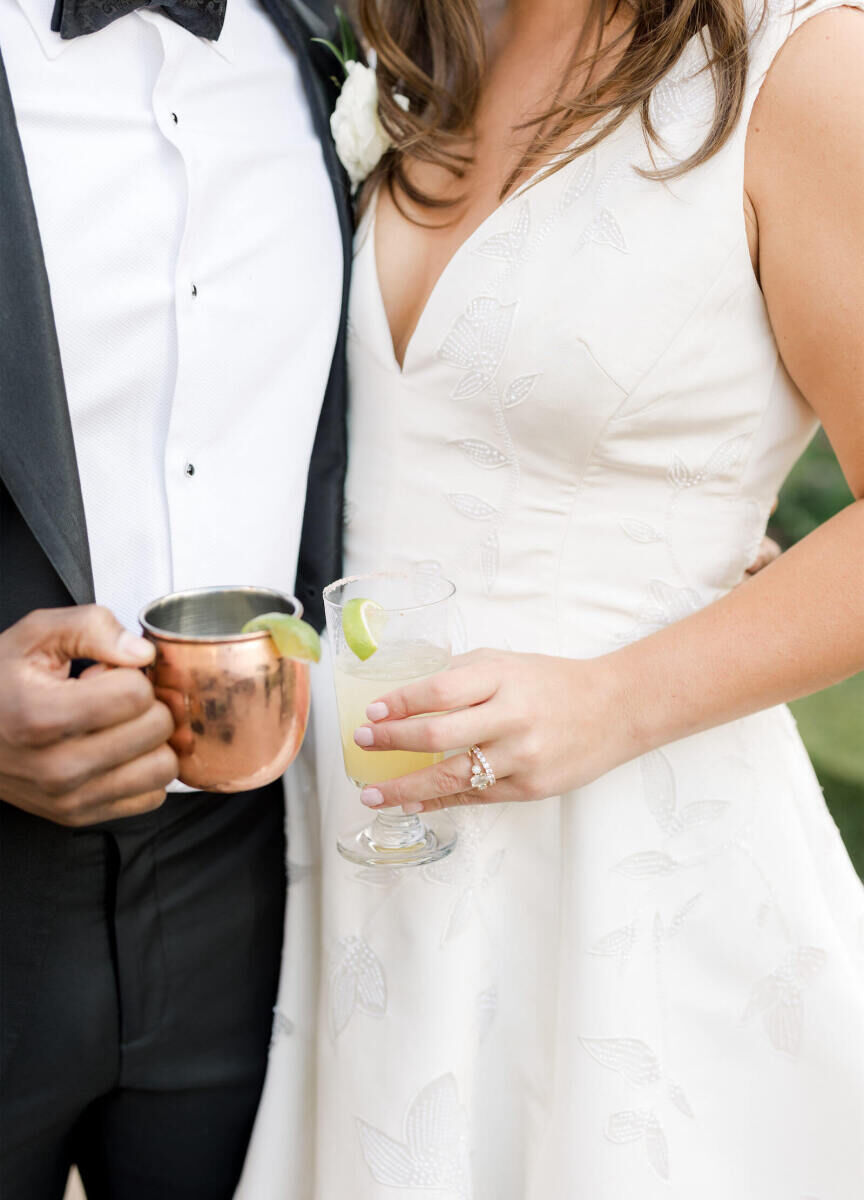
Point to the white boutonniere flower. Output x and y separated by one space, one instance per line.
361 140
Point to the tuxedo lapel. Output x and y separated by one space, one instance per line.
299 24
37 453
320 559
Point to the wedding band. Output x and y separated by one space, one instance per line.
482 775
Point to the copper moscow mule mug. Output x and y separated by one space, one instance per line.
240 709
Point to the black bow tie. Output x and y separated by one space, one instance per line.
72 18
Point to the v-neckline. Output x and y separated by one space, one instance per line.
401 368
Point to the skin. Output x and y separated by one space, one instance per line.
549 725
80 751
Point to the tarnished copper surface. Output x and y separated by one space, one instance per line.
241 710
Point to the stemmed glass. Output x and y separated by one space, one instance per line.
412 629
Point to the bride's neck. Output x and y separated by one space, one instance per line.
532 22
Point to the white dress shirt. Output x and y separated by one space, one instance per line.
195 262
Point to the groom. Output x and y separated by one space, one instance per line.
174 258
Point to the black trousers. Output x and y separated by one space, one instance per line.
143 1059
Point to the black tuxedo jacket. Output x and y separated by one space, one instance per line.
44 553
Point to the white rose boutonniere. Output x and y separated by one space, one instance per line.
361 140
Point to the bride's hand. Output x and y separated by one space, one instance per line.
545 724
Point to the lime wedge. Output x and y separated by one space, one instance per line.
292 637
362 621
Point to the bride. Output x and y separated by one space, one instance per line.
606 284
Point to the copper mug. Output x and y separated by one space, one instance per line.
240 709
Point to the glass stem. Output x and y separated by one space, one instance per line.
395 831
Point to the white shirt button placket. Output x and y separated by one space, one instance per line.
183 483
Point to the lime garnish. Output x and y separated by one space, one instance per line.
292 637
362 621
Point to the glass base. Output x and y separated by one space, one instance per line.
394 840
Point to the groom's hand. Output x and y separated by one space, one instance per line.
80 751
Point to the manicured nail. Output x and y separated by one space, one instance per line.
364 737
378 711
412 808
372 798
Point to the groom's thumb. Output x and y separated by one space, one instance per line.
88 631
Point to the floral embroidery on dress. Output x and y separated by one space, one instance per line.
476 344
641 1125
520 389
473 507
661 797
482 454
724 461
665 605
617 944
779 998
509 245
468 870
637 1063
356 981
646 864
434 1152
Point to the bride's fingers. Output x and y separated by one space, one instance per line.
459 687
432 788
431 735
505 792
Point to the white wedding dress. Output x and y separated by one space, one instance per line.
654 987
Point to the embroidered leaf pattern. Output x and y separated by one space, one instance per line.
641 531
434 1151
671 603
683 913
482 454
356 981
727 457
604 230
581 178
701 812
617 943
489 559
658 781
467 869
647 864
624 1127
666 604
679 474
472 506
476 344
679 1099
627 1056
509 245
658 932
389 1161
520 389
778 998
656 1147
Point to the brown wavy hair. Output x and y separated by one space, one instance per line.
434 51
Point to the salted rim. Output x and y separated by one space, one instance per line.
402 608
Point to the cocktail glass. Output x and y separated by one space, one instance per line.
413 633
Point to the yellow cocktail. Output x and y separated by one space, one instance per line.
387 630
359 683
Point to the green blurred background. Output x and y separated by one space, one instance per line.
831 722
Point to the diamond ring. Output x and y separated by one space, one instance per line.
482 775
